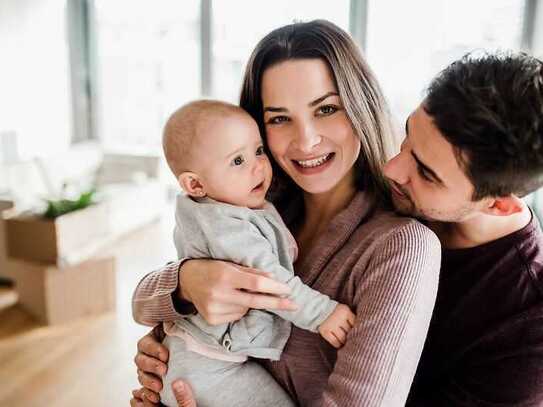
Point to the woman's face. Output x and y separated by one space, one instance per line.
307 129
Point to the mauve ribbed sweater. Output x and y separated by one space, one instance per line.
386 268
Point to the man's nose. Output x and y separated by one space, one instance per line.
396 169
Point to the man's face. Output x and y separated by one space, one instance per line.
426 179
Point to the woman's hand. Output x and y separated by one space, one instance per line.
151 361
223 292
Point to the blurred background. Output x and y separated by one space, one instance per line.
85 89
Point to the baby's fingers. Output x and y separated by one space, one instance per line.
346 326
331 339
351 319
340 335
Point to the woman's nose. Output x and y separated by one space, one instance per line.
307 137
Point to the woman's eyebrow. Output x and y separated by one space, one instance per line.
318 100
274 109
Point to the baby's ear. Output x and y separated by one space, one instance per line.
192 184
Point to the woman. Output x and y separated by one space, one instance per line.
326 125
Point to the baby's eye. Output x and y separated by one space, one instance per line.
238 160
260 150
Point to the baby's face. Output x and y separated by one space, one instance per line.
233 165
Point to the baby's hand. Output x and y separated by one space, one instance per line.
335 328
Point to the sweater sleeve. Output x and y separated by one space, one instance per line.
153 300
243 243
394 302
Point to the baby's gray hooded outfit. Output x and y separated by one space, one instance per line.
255 238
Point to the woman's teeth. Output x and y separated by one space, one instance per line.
313 163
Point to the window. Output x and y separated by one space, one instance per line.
148 64
35 110
408 43
238 25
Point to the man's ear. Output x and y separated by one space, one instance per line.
192 184
505 205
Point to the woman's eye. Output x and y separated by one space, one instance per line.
327 109
278 120
238 160
260 150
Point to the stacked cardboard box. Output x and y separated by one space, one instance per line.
64 240
53 263
56 295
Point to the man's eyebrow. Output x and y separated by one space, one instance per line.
427 169
274 109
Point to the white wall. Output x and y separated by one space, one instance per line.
537 43
35 99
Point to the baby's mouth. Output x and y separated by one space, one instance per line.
259 186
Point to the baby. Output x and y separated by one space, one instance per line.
215 151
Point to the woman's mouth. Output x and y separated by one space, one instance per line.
314 162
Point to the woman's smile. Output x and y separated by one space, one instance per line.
314 166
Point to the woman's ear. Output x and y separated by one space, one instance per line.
505 205
192 184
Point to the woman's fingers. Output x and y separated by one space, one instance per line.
150 395
151 347
256 282
149 364
253 271
149 381
139 399
223 308
263 301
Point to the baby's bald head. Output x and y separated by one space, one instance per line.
186 125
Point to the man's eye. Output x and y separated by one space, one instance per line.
424 175
278 120
327 109
260 150
238 160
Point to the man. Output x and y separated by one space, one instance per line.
472 150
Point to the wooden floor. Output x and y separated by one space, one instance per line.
88 362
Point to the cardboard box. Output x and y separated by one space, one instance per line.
56 295
56 241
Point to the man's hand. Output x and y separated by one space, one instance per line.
336 327
182 392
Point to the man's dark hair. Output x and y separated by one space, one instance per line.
490 108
